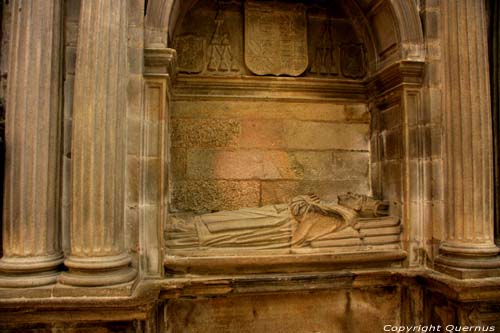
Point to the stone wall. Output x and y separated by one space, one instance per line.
230 154
317 311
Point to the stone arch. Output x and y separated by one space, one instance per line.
163 15
393 36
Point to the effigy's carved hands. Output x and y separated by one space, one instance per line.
315 218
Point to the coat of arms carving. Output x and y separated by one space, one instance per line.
275 38
352 58
190 53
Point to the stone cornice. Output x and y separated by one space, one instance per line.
408 73
393 76
269 88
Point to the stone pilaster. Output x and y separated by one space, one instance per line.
469 249
159 76
98 255
31 245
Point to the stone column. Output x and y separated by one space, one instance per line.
494 48
469 249
98 255
31 245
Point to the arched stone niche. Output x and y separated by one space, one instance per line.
403 26
238 135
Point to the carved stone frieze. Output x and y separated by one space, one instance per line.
275 38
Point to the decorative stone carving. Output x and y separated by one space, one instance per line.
275 38
31 246
306 222
352 60
364 205
325 56
221 58
190 54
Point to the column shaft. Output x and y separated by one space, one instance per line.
469 248
98 256
31 245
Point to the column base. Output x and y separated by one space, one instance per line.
26 272
97 271
468 261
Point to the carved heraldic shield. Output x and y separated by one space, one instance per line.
275 38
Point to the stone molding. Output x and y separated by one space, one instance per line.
87 305
275 263
395 75
281 88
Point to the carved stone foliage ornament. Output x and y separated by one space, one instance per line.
190 53
358 222
352 60
275 38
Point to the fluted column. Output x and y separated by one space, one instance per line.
98 256
31 245
469 249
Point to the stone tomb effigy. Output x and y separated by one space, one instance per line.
307 231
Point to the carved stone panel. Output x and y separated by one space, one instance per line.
275 38
191 53
325 53
220 53
352 60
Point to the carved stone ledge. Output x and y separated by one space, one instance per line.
279 88
287 263
141 302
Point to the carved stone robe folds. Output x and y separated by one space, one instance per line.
269 227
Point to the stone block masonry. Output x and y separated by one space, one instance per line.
256 153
